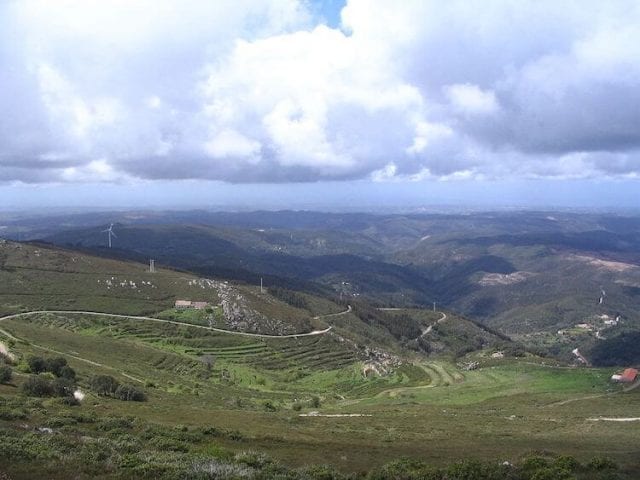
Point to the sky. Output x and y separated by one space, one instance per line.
301 104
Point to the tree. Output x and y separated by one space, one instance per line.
209 361
104 384
130 393
68 373
37 364
62 387
37 386
55 365
5 373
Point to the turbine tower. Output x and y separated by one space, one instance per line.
110 233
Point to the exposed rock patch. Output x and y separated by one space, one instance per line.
491 279
607 265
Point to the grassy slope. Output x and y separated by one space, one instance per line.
36 277
430 409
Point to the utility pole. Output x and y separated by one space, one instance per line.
152 266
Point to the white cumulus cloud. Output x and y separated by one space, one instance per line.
261 91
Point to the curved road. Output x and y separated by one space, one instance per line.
426 330
348 310
430 327
135 317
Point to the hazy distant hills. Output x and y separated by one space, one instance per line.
521 272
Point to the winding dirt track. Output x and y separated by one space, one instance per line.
151 319
348 310
430 327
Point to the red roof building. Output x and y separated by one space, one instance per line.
629 375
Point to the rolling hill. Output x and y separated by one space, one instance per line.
522 273
213 388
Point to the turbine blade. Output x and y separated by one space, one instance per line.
114 234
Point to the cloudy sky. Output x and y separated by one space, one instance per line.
196 102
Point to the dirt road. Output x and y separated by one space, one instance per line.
430 327
151 319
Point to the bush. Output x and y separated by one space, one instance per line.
62 387
253 459
67 372
12 414
534 463
5 373
567 462
37 364
37 386
549 473
55 365
602 463
70 401
320 472
130 393
107 424
269 406
474 470
104 384
404 469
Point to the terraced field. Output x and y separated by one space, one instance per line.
321 352
429 409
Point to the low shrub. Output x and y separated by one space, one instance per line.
12 414
62 387
36 364
602 463
5 373
70 401
104 385
129 393
68 373
57 422
169 444
37 386
269 406
107 424
55 365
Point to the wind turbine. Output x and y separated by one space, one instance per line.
109 231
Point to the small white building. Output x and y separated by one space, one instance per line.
185 304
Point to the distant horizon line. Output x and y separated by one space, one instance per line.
364 209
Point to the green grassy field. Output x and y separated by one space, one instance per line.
215 395
430 410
